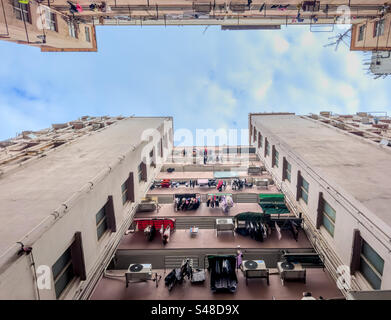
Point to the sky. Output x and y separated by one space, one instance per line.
203 78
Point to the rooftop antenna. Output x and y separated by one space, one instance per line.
336 40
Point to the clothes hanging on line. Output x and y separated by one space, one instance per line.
186 202
226 203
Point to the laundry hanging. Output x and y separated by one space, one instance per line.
186 202
79 8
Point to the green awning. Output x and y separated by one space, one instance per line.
271 197
274 208
251 216
273 203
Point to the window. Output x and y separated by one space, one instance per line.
328 218
142 172
378 28
287 171
139 171
371 265
267 148
304 190
21 10
87 30
259 140
63 272
72 29
124 191
361 32
276 158
101 222
255 135
51 20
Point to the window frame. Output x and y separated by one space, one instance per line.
369 263
288 173
361 32
23 9
99 223
276 158
87 33
124 192
379 31
140 172
67 267
325 215
51 20
267 148
72 27
304 190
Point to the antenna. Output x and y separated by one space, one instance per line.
340 37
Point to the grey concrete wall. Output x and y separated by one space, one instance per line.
346 219
17 281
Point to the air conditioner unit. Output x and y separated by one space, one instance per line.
225 225
254 268
138 272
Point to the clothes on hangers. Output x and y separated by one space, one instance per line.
220 185
166 233
187 202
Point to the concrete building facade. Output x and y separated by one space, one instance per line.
372 34
317 166
36 24
71 20
72 204
71 198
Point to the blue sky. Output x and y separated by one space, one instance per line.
204 80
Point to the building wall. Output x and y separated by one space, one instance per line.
369 42
341 243
17 281
59 39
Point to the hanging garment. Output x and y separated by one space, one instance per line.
79 8
239 259
166 235
72 7
279 235
220 185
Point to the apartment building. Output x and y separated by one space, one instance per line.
372 34
35 24
334 169
67 195
70 26
77 200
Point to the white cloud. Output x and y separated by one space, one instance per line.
261 92
280 45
